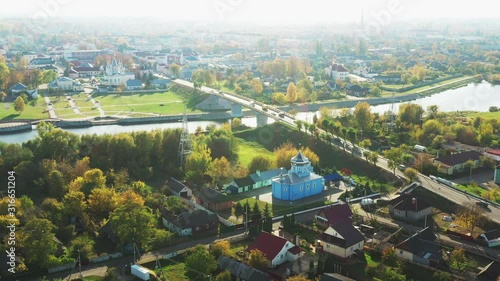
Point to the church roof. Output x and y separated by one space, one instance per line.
299 158
293 179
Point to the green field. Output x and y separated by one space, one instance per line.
248 150
485 115
31 111
167 103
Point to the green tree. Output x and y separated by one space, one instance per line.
101 202
19 104
57 185
133 222
223 276
469 165
458 260
410 113
37 241
255 214
238 210
258 260
3 95
260 163
299 124
394 158
84 244
200 264
74 203
175 69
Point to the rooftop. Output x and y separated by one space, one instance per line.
268 244
459 158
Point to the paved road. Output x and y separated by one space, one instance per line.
99 269
96 105
52 113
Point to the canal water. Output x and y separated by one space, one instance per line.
473 97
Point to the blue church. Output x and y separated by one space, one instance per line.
300 182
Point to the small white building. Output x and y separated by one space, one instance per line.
336 71
490 238
66 84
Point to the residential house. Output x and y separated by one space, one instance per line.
40 62
66 84
178 189
266 177
356 90
192 61
190 223
87 70
160 83
18 88
300 182
32 93
240 271
496 175
490 238
490 272
341 239
420 248
241 185
133 84
277 249
213 200
409 207
336 71
493 154
335 277
455 163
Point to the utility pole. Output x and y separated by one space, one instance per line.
246 218
133 241
80 264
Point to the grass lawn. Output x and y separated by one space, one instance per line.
31 111
485 115
442 83
166 108
472 188
248 150
174 269
239 246
125 99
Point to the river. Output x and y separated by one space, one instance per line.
115 129
473 97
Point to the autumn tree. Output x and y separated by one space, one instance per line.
411 174
260 163
200 264
291 92
279 98
410 113
221 170
363 116
258 260
198 163
101 202
74 203
19 104
298 278
220 248
470 216
256 86
373 157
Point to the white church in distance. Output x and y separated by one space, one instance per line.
115 75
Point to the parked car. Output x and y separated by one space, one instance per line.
447 218
402 168
482 204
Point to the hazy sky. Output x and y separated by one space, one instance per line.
264 11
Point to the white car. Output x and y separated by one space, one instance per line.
447 218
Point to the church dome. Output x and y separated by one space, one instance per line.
300 159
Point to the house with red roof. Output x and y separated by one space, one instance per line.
332 214
336 71
277 249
